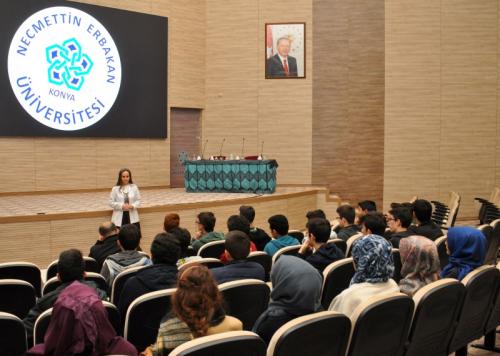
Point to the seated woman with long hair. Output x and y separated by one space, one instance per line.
372 257
467 249
296 292
196 311
420 263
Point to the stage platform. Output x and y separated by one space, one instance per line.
37 227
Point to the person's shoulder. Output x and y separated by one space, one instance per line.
233 323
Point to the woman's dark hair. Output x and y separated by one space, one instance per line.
119 181
196 299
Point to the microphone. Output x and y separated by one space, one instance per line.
204 147
243 148
222 144
262 150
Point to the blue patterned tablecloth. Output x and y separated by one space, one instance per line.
231 176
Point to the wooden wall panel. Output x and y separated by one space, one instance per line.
413 104
348 98
18 164
231 77
442 90
241 103
28 242
285 106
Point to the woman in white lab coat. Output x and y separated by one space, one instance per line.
125 199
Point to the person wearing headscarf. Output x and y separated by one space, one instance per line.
467 249
372 257
296 292
420 263
80 325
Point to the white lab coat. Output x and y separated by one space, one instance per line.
117 199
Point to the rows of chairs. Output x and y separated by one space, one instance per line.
336 279
445 214
442 318
489 208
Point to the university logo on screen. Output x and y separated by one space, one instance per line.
64 68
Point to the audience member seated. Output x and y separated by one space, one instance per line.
258 236
373 223
422 211
128 240
278 224
70 268
196 311
162 274
467 249
372 256
363 208
296 292
398 220
171 221
107 244
420 263
205 233
347 228
184 238
238 223
79 326
315 250
313 214
237 249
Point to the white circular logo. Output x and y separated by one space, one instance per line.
64 68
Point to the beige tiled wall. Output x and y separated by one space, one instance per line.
241 103
441 100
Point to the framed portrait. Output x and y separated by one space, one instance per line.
285 50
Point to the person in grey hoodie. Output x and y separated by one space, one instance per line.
278 224
128 240
206 223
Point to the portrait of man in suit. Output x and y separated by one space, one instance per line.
285 46
282 64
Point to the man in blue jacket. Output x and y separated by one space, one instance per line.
237 249
278 224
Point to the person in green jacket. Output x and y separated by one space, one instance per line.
205 222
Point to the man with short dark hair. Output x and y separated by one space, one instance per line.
70 268
373 223
398 220
128 240
165 251
278 224
347 228
422 211
107 244
237 246
318 213
323 254
205 233
258 236
238 223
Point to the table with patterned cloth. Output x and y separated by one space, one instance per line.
235 176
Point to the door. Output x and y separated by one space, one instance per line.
185 131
